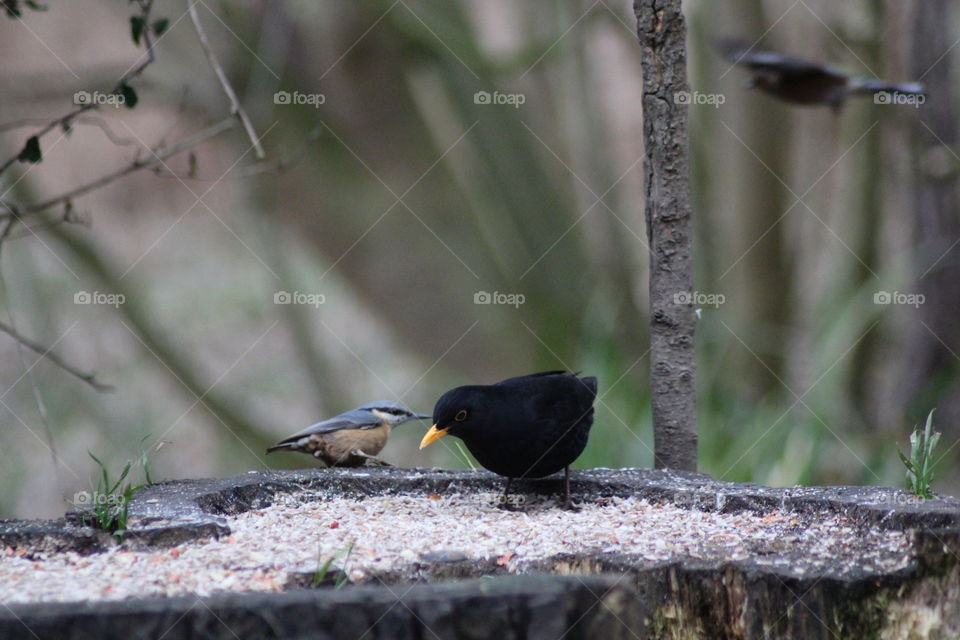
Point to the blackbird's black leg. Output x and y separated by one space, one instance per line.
505 500
566 491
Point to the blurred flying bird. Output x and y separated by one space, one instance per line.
525 427
352 438
808 83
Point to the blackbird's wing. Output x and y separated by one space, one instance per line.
562 426
549 395
567 396
532 376
739 52
349 420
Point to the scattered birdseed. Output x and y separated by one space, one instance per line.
392 534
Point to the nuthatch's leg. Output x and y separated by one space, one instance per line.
370 459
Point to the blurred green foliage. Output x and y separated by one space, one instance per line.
411 196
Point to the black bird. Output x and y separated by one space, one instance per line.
352 438
805 82
524 427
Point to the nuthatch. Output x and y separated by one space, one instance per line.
350 439
804 82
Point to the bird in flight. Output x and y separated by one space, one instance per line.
804 82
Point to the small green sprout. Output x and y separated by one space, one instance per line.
920 463
323 570
110 500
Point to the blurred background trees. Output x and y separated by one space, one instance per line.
405 196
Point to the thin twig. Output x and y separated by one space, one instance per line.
137 165
30 231
276 165
222 77
70 216
100 123
44 352
65 120
12 218
28 371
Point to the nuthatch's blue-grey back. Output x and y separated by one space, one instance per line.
352 438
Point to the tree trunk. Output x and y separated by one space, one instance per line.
934 335
662 33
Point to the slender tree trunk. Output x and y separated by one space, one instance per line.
662 33
929 377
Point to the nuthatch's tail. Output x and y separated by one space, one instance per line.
282 445
869 85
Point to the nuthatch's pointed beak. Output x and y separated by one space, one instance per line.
421 416
433 435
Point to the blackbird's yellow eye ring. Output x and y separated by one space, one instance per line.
461 415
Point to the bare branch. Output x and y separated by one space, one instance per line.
13 217
237 110
44 352
65 120
100 123
137 165
69 216
62 121
277 164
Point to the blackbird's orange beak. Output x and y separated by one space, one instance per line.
433 435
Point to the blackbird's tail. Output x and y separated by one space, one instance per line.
591 384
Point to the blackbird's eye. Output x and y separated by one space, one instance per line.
461 415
